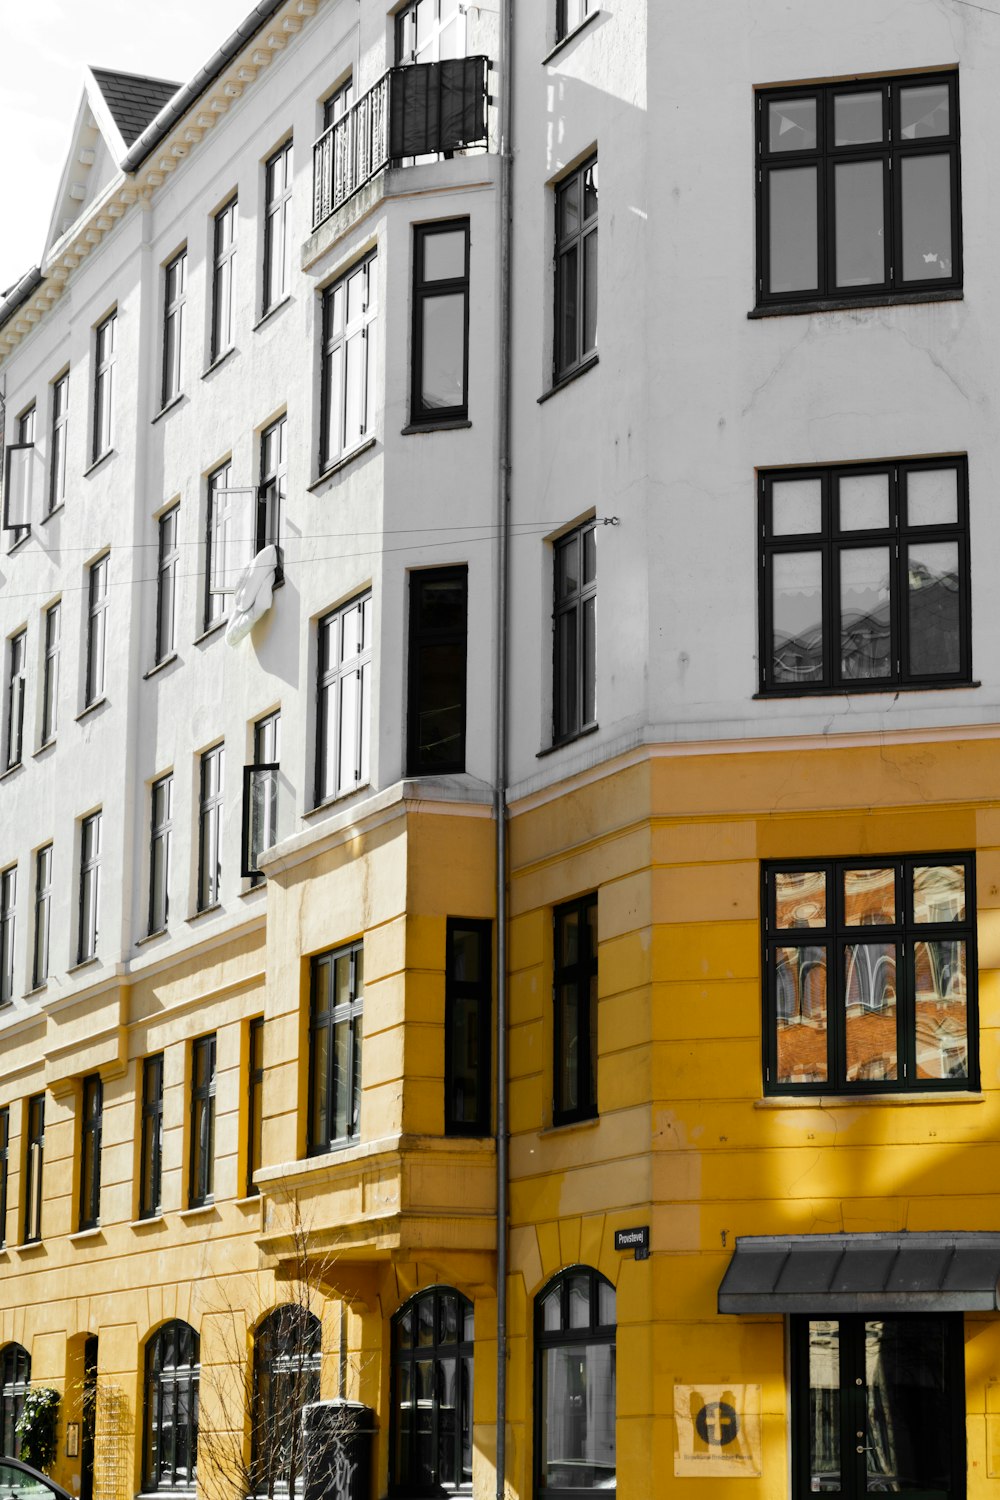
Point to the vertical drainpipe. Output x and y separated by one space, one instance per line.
506 74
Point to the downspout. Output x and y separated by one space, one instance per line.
506 71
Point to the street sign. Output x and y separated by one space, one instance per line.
634 1239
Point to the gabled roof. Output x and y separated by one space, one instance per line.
133 99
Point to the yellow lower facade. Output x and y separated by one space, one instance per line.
687 1139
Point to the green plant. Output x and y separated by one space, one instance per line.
37 1427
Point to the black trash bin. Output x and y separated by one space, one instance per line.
337 1440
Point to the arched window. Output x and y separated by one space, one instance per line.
431 1403
286 1361
170 1450
575 1385
15 1377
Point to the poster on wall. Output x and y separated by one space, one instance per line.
717 1431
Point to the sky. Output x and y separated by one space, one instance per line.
43 52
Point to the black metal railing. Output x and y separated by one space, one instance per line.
411 112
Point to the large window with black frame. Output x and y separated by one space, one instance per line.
255 1103
57 441
50 673
572 13
8 912
105 352
864 577
90 887
170 1428
344 661
4 1170
161 824
430 31
439 376
349 364
43 909
168 557
15 1382
287 1354
201 1184
224 229
17 650
151 1137
574 695
210 807
468 1004
437 671
277 226
430 1413
174 299
260 795
574 1032
335 1030
272 491
576 1386
576 270
34 1161
870 969
97 630
91 1130
858 194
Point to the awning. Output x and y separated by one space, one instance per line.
824 1274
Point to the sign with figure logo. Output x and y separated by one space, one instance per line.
717 1431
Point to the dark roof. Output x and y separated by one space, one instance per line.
823 1274
133 99
17 295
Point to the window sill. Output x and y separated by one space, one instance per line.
219 360
30 1247
252 890
38 989
153 1222
101 459
846 304
252 1200
565 380
570 739
150 937
43 750
12 770
16 546
342 463
269 313
56 509
206 911
571 36
330 802
159 666
82 1236
852 1101
85 963
210 631
447 424
174 401
90 709
199 1211
560 1129
802 690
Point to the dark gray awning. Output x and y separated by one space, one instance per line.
862 1273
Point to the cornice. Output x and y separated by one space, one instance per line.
139 187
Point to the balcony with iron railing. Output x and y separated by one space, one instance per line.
410 114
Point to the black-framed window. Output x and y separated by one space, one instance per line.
90 886
575 1385
170 1428
349 364
570 14
8 916
50 672
468 1007
161 825
174 299
439 374
219 518
4 1170
337 104
91 1131
335 1036
255 1102
864 576
430 31
273 489
430 1412
97 629
574 1031
201 1188
34 1161
43 910
26 501
151 1137
277 225
858 192
57 441
574 638
168 557
224 229
344 663
15 1381
287 1353
17 654
210 808
105 341
576 269
437 671
870 969
878 1403
260 795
